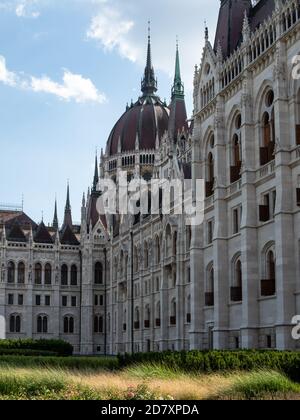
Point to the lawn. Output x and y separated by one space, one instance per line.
55 381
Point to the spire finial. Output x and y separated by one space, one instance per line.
178 88
96 174
68 211
55 218
149 83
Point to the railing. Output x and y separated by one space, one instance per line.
268 287
236 294
209 299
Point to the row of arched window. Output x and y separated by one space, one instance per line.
267 285
42 324
16 274
267 144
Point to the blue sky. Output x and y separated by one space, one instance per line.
67 70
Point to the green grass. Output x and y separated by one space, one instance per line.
260 385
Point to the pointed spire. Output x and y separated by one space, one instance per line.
149 83
178 88
55 218
96 175
68 211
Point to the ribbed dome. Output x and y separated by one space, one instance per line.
143 121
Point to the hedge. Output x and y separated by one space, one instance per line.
55 347
216 361
93 364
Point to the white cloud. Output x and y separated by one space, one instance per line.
111 29
7 77
73 87
169 18
25 9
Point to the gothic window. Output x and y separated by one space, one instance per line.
188 309
268 285
157 314
209 295
175 243
135 260
146 255
236 289
136 318
64 275
98 324
147 316
15 324
42 324
21 273
173 312
38 273
68 325
48 274
168 241
11 272
210 176
73 275
98 273
268 130
236 151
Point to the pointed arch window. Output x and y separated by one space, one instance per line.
48 274
209 295
15 324
38 274
42 324
268 285
236 289
74 275
64 275
98 273
68 325
21 273
11 272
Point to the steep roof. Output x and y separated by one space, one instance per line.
231 18
42 235
11 217
67 236
15 233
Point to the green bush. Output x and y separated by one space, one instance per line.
216 361
65 363
26 352
58 347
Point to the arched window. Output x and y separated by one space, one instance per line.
173 312
11 272
268 285
136 318
21 273
146 255
235 169
188 309
135 260
157 314
42 324
157 246
236 289
168 241
209 295
73 275
268 130
98 324
188 238
175 244
38 273
210 175
98 273
48 274
147 316
15 324
68 325
64 275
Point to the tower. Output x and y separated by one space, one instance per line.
68 211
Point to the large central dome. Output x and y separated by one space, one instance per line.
142 122
145 122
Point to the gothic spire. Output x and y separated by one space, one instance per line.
178 88
68 211
149 82
96 175
55 218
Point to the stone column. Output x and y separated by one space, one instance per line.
249 242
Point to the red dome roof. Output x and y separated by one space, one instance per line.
144 120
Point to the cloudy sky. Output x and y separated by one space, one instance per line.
67 70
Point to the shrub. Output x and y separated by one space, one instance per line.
216 361
58 347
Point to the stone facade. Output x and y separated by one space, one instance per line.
152 283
